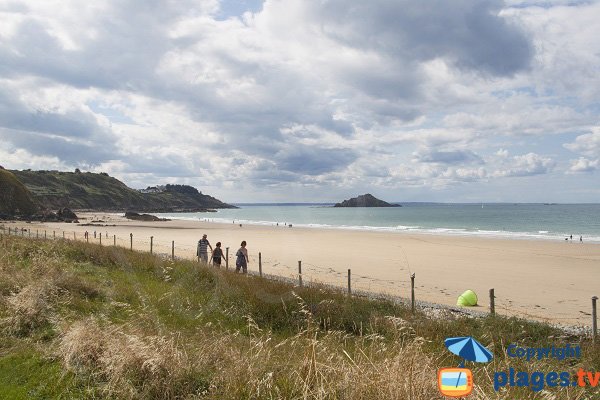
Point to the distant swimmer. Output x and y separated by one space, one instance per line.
571 237
581 239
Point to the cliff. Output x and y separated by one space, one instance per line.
99 191
15 199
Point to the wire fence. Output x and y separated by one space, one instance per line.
302 274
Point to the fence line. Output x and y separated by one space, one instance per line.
294 275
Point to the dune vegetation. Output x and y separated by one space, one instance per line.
84 321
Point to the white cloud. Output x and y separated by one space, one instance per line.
333 94
582 164
587 144
524 165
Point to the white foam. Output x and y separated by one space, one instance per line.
538 235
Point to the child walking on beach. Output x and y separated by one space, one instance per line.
217 254
242 259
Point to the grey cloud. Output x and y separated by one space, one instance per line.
313 160
69 151
73 136
448 157
470 34
15 115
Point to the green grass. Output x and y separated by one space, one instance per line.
82 320
15 199
30 374
56 189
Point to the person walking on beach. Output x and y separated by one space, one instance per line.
217 254
581 239
202 250
242 258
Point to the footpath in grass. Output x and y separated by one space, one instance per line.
85 321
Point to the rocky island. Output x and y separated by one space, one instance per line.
365 200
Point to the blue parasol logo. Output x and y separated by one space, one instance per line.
458 382
469 349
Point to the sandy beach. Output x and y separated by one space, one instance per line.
536 279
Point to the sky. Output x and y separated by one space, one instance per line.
301 100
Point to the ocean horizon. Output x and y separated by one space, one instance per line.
538 221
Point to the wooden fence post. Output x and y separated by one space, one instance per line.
260 264
74 236
349 281
131 241
63 235
151 240
300 273
226 258
594 320
412 293
44 234
173 250
115 240
492 303
53 235
100 238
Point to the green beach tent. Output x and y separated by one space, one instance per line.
467 299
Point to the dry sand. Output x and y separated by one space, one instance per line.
536 279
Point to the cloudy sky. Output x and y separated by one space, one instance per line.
309 100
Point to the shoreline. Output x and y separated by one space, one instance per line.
550 281
452 232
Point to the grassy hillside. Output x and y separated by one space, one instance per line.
85 321
88 190
15 199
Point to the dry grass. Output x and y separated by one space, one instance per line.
29 309
302 367
129 365
134 327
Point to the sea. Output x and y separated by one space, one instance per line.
501 220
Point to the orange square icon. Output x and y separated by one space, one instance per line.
455 382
